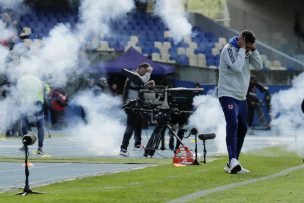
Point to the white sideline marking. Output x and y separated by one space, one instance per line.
35 167
233 185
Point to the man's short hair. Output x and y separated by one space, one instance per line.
144 65
249 36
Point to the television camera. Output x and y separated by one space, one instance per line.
161 102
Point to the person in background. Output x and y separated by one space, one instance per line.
58 102
254 103
197 85
103 83
30 90
134 119
94 86
234 74
114 89
46 101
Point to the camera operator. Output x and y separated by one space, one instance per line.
254 102
134 119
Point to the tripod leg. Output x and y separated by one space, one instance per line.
174 134
153 141
180 134
205 151
160 138
163 132
195 162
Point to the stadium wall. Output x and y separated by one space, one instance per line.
272 20
221 31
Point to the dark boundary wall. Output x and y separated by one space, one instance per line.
207 87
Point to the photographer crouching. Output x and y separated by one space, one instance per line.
134 119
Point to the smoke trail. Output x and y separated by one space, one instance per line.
6 33
56 58
9 114
209 117
3 58
20 100
172 13
104 128
95 16
288 119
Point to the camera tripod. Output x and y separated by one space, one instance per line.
162 119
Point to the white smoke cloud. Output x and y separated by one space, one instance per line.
287 116
173 14
3 58
6 33
95 16
10 4
104 129
20 101
9 114
209 117
56 58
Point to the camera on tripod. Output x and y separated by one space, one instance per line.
175 99
161 103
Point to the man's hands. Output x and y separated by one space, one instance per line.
241 42
150 83
149 69
253 48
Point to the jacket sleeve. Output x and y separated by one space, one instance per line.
234 61
125 93
255 60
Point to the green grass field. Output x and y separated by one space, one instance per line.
165 182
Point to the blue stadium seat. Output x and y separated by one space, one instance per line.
155 50
209 35
198 50
147 50
182 59
173 54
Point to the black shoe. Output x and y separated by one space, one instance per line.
124 152
40 151
163 148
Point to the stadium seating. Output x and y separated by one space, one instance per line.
147 34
